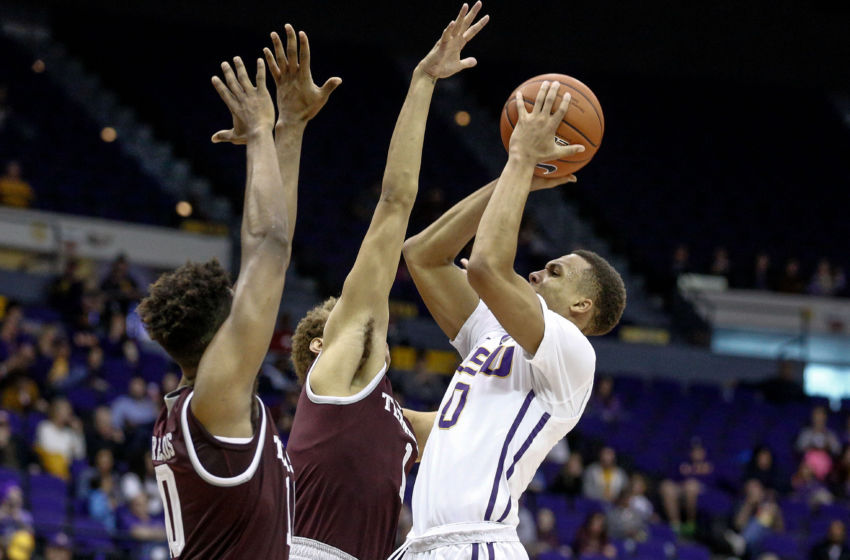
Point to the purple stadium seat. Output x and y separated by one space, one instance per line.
661 532
787 547
10 475
655 549
47 485
83 399
152 366
48 521
834 511
692 552
585 506
715 502
31 425
554 502
91 536
551 555
795 515
568 525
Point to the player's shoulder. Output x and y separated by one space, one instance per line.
562 331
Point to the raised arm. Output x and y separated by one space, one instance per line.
491 264
299 99
358 324
224 383
430 256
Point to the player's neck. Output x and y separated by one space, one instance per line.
188 379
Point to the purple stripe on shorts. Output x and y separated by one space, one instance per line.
511 433
490 554
525 445
475 551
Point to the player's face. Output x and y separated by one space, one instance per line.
558 283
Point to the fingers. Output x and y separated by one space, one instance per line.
563 106
291 49
261 74
572 179
463 11
224 93
468 62
568 151
305 49
242 74
279 52
273 67
222 136
473 31
521 109
464 263
330 85
230 79
541 97
470 17
551 95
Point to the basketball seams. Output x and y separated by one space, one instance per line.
592 103
579 132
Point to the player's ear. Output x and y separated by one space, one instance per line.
581 306
316 345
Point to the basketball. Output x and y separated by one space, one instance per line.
583 124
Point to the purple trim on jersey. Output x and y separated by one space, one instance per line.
491 555
525 445
511 433
474 551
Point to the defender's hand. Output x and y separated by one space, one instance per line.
298 98
534 135
251 107
444 59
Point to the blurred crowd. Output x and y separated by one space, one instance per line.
765 272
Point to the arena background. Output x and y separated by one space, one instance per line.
726 138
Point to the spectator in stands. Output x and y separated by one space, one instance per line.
784 387
721 265
532 246
119 287
546 534
102 501
14 190
59 439
761 277
695 475
65 293
102 434
762 468
11 335
103 467
834 546
632 513
817 444
839 477
681 261
791 281
13 451
142 527
604 480
13 516
757 517
592 537
21 545
604 403
59 547
806 487
422 384
569 481
825 282
135 409
142 480
5 110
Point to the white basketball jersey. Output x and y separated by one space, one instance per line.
502 413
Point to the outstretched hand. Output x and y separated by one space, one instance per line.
444 59
251 107
299 99
534 135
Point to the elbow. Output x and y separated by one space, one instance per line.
479 273
275 237
411 249
400 189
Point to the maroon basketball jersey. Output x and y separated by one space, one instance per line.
351 457
222 498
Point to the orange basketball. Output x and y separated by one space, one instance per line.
583 124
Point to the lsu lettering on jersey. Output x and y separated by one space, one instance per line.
502 413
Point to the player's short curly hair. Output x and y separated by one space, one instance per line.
605 287
311 326
185 308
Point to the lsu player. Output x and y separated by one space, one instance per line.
528 366
351 444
